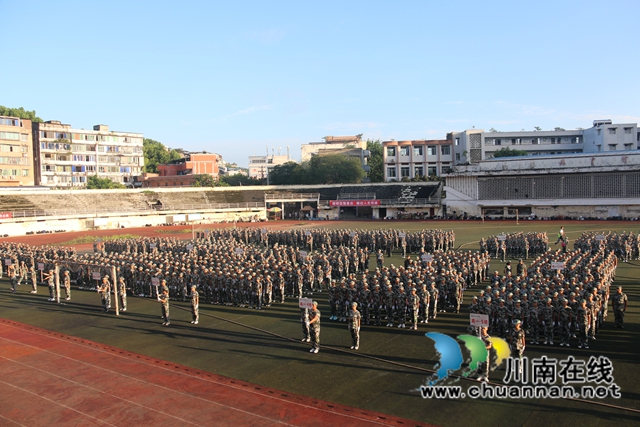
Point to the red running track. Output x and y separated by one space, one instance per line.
52 379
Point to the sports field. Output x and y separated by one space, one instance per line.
263 347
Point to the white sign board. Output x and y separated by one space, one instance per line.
600 237
502 237
264 231
179 218
304 254
41 266
97 222
479 319
308 233
427 257
96 275
402 235
352 234
155 281
557 265
189 247
7 261
152 246
305 303
239 251
194 217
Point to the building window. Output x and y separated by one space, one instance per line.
417 150
404 151
612 131
391 151
391 172
432 170
457 141
629 146
446 150
628 131
446 169
457 157
497 141
432 150
613 147
404 172
418 171
599 132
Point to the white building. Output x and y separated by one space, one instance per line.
589 185
475 145
260 166
416 158
66 157
332 143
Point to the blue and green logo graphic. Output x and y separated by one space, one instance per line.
451 358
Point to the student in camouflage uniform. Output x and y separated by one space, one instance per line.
104 289
583 321
517 341
619 307
122 293
485 367
34 280
66 282
534 315
304 320
355 321
314 325
50 278
549 318
414 307
163 299
565 317
195 304
13 277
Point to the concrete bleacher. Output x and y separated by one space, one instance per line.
16 202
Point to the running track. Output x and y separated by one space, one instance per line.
52 379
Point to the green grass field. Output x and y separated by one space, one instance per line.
383 375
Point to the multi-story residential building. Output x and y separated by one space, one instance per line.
475 145
66 157
416 158
16 155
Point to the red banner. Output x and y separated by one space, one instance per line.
374 202
5 215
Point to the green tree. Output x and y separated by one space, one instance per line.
204 180
239 179
155 153
287 174
96 183
20 113
508 152
376 160
334 169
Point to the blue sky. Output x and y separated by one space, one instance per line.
236 77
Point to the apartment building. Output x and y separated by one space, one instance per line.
67 157
16 155
416 158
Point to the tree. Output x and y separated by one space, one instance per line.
558 129
96 183
493 130
239 179
376 160
155 153
537 128
203 180
334 169
20 113
286 174
508 152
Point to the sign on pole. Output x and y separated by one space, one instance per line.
352 234
502 237
152 245
479 319
308 233
239 251
557 265
305 303
427 257
41 266
402 235
155 281
189 247
96 275
304 254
